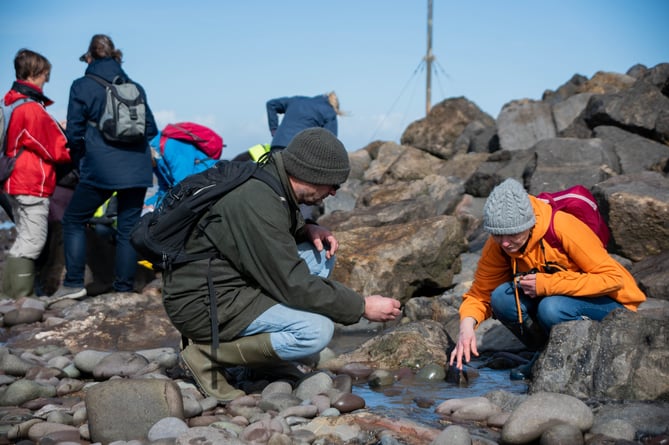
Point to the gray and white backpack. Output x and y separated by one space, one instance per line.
124 117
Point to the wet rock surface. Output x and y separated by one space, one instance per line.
51 392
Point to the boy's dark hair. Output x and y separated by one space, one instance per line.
28 63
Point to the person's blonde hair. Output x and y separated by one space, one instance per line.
334 101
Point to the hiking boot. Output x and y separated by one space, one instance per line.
524 372
67 293
208 376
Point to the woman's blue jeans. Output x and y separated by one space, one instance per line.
294 333
85 201
550 310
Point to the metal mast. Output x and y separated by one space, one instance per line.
428 59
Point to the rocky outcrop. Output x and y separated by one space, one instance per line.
438 132
408 222
623 159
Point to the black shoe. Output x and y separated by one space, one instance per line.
524 372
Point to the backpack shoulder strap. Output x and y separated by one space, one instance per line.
551 237
270 180
275 185
99 80
7 111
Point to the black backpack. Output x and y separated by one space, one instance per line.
160 236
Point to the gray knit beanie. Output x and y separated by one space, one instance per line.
508 209
316 156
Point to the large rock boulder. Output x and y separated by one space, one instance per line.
637 210
563 162
642 109
412 345
401 260
651 274
523 123
438 132
636 153
623 357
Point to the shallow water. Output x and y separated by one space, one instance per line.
417 399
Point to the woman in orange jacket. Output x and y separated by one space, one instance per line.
531 286
38 143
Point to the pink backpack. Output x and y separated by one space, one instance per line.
578 201
203 138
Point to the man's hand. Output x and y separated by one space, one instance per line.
466 344
380 308
321 238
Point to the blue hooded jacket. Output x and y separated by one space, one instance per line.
299 113
102 164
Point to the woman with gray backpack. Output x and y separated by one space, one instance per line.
113 155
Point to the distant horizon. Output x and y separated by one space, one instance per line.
217 63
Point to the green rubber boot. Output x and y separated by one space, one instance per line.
18 277
207 367
7 283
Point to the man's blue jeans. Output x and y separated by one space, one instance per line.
85 201
294 333
548 311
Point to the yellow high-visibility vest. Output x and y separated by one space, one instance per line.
258 150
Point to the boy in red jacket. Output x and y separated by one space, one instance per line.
38 138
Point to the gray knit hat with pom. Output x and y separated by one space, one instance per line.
508 209
316 156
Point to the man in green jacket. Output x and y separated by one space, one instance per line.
274 302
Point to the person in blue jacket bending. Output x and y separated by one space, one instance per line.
300 113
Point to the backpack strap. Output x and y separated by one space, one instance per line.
550 236
7 111
213 306
275 184
19 152
105 85
99 80
118 80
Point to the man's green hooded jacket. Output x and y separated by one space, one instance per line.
256 234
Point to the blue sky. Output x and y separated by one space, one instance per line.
217 62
